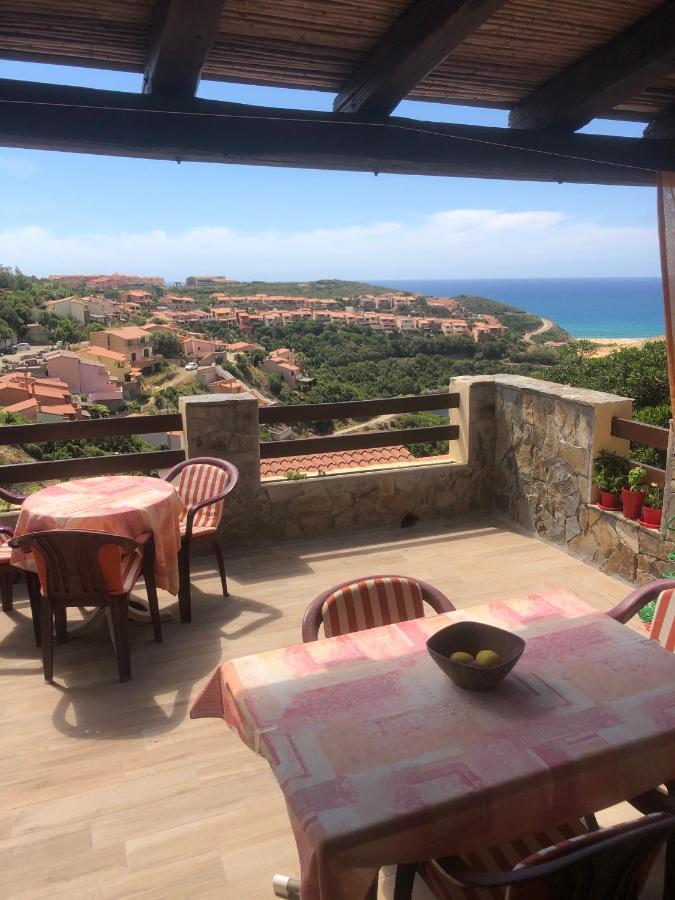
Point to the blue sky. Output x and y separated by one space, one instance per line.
73 212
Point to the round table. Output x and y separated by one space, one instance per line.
126 505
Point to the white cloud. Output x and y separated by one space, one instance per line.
452 243
15 165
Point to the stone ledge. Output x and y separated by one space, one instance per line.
583 396
631 523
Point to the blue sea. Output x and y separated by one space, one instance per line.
586 307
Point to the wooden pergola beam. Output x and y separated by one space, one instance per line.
614 72
181 37
85 120
663 126
413 47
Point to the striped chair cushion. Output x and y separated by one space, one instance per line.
5 551
498 859
663 623
196 483
371 602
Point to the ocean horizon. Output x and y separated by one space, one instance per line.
586 307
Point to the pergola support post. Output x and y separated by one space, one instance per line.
666 211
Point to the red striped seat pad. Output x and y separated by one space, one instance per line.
663 623
196 483
371 602
502 858
5 551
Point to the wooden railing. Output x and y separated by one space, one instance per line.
151 461
357 409
92 429
647 435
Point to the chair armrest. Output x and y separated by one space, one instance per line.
634 602
11 497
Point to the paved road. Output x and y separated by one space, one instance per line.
545 326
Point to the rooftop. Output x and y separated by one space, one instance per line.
329 462
110 790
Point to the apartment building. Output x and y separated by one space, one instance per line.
85 377
282 363
37 399
132 342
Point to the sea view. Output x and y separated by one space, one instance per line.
586 307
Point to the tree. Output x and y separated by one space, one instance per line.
167 344
68 331
276 384
6 333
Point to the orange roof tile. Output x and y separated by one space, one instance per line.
329 462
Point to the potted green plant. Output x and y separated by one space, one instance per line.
651 511
609 474
632 497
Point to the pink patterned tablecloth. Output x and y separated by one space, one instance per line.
382 759
127 505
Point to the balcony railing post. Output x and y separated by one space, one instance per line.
225 426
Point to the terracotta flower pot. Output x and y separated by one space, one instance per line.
651 515
632 503
609 500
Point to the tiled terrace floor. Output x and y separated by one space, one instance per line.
110 790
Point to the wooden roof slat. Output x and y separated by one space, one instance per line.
182 34
318 45
84 120
611 73
417 43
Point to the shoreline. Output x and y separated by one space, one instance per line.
605 346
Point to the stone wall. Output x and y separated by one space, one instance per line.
443 487
526 450
547 436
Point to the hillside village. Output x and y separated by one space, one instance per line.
138 328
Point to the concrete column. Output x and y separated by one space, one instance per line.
225 426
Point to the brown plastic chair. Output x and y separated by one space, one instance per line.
381 599
202 484
11 497
607 864
624 612
91 568
9 575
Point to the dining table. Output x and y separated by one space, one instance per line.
382 759
125 505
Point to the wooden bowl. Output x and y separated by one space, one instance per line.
472 637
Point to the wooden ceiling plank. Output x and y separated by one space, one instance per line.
418 42
611 74
86 120
181 36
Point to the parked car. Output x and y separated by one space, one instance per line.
191 366
22 346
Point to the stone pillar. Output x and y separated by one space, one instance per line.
225 426
547 436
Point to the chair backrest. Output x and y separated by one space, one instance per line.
608 864
663 623
203 478
368 602
78 567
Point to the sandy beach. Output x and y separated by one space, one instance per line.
605 346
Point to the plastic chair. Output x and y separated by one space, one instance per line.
662 630
8 576
91 568
606 864
367 602
202 484
11 497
